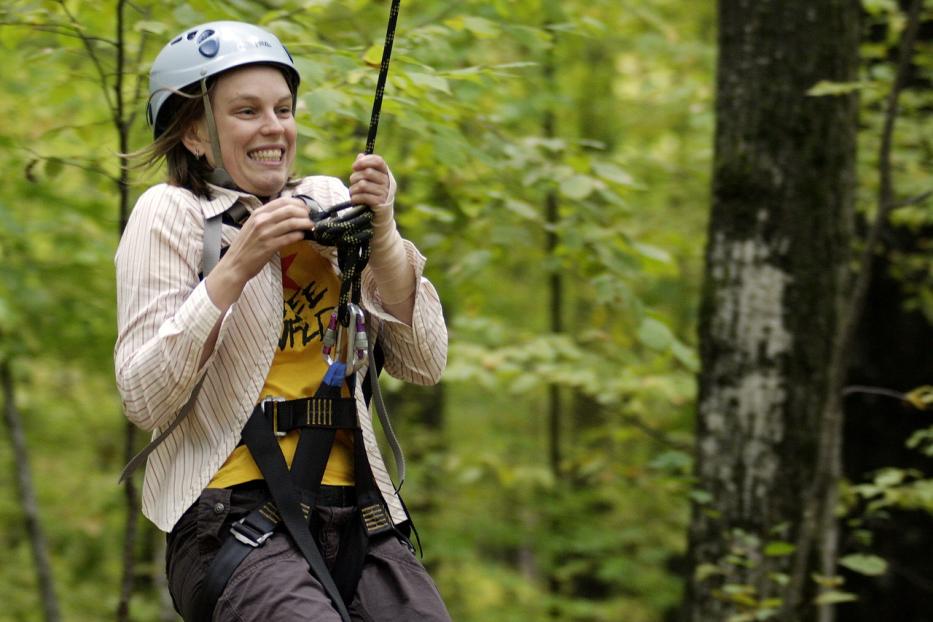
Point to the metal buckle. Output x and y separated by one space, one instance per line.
247 535
272 402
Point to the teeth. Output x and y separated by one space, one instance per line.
273 155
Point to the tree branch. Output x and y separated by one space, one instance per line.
122 126
74 163
86 40
917 200
655 434
28 496
65 30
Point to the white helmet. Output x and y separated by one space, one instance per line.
207 50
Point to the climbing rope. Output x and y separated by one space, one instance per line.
349 227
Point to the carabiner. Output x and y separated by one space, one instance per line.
330 338
357 341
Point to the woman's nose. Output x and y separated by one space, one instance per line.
271 123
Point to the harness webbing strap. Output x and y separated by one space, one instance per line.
314 412
141 457
371 391
213 229
268 456
248 534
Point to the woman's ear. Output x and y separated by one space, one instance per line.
195 142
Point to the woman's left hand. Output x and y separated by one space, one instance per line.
372 184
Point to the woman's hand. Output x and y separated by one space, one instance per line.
372 184
276 224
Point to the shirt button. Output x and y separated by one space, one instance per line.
219 508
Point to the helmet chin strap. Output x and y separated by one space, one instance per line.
219 175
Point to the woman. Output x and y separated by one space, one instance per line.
233 349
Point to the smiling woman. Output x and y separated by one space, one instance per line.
205 356
253 113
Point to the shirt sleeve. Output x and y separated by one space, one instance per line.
164 315
416 353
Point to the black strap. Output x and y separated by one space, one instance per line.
303 483
316 412
246 535
271 462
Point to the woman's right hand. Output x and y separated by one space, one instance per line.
276 224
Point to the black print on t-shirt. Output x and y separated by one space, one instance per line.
296 328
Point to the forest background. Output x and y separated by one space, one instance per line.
554 161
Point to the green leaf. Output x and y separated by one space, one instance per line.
154 27
612 172
870 565
430 81
876 7
653 252
700 497
825 87
654 334
481 28
53 167
373 56
705 571
522 209
686 356
577 187
890 477
834 597
779 548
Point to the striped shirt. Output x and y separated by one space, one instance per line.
165 316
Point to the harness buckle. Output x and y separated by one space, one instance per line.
270 406
249 535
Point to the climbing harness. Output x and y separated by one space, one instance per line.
347 349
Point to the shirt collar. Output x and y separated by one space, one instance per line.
224 198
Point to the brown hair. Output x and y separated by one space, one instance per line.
184 108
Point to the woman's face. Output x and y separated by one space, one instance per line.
253 112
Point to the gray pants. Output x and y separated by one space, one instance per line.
273 583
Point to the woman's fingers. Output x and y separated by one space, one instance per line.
269 228
369 181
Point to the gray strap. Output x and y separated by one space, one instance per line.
213 228
218 175
141 457
391 438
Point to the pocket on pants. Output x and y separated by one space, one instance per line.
213 510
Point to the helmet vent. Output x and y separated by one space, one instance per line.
209 48
192 34
179 38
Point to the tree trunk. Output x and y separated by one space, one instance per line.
27 496
779 237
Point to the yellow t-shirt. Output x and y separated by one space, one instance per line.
311 291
